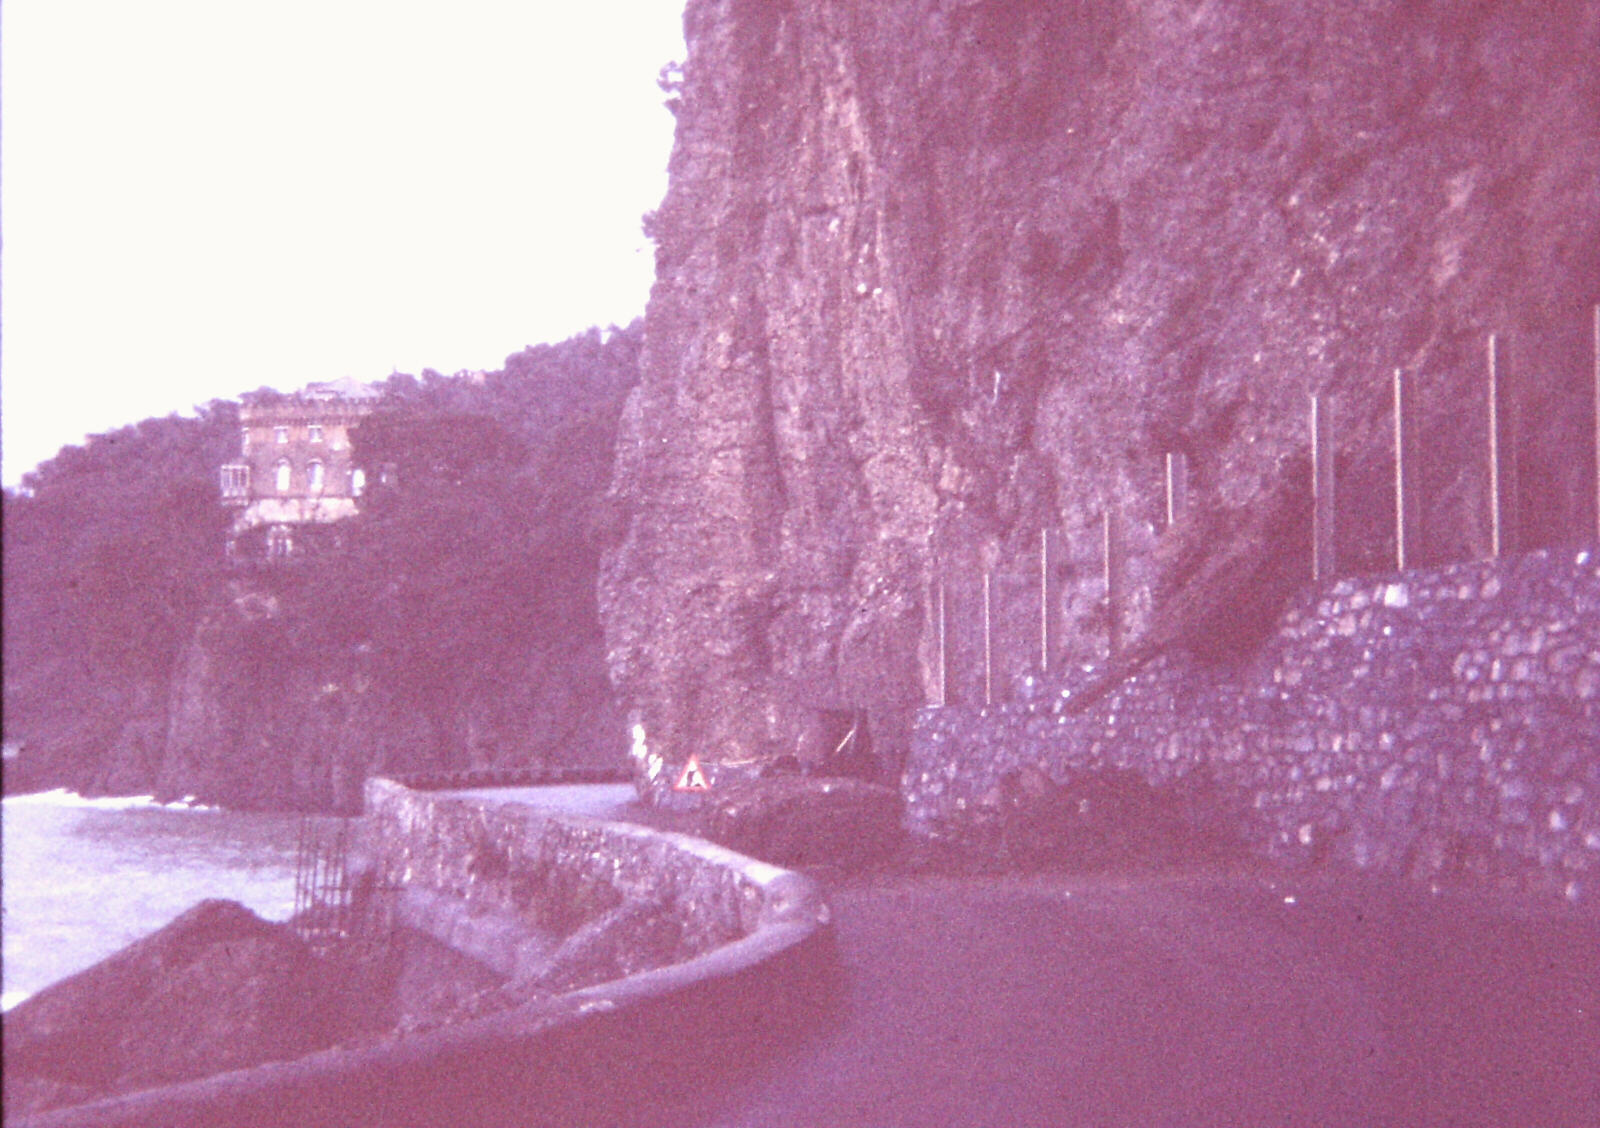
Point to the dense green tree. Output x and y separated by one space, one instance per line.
111 552
452 621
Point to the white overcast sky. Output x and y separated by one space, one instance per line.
199 197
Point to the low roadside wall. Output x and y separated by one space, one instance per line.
498 880
553 774
1436 723
758 935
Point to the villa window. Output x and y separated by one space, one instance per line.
280 435
280 543
281 480
314 477
358 481
314 432
236 480
244 438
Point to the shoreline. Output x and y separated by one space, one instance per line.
86 876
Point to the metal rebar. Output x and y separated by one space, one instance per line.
1044 600
988 645
1322 492
340 890
1402 482
299 854
1496 533
1113 566
1177 485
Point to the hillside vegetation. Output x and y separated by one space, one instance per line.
452 623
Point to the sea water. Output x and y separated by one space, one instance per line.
85 877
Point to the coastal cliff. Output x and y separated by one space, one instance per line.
936 275
450 625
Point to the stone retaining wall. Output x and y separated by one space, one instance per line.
504 862
760 963
1435 722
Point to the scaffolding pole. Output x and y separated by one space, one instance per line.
1323 559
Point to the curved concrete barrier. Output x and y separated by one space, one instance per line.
586 1056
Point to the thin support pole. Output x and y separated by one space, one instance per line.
988 644
1496 511
1177 485
944 664
299 871
1596 355
1322 492
1404 518
1044 600
1110 542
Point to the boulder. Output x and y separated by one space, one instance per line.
217 989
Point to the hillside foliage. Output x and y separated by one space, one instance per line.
465 584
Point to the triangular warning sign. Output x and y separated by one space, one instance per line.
692 779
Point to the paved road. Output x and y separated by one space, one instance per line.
1193 1001
1163 1000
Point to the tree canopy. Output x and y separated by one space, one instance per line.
468 575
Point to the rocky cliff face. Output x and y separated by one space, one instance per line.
450 625
253 722
935 275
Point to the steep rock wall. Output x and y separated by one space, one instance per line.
933 275
255 722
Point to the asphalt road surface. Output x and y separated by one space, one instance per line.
1229 999
1195 1000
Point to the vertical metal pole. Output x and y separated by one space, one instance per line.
299 868
1177 485
316 883
943 663
1597 422
1113 566
1496 534
1403 518
1171 502
988 646
1044 600
341 889
1322 492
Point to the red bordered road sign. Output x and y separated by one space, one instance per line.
693 778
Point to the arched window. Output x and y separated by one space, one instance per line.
314 477
358 481
281 480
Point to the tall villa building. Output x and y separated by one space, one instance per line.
294 472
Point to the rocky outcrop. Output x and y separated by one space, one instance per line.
257 719
216 989
449 626
934 275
